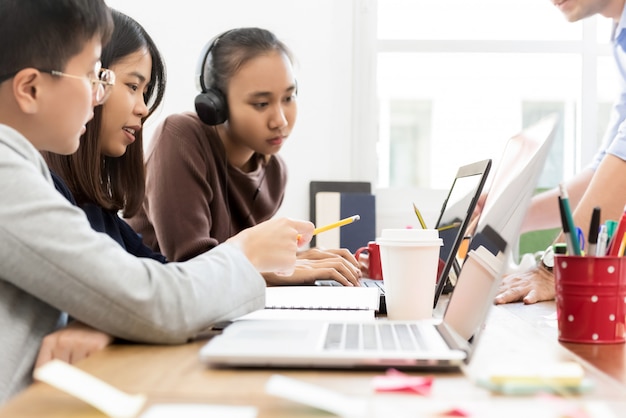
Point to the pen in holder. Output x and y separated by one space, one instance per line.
590 298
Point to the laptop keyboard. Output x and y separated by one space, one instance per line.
366 283
328 283
375 336
374 283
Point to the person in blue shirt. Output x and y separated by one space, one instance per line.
602 183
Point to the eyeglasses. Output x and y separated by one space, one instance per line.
101 83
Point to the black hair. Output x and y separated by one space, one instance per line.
129 37
235 47
48 33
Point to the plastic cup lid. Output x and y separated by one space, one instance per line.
487 259
408 236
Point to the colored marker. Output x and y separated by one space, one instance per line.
567 212
603 239
611 226
580 236
594 229
614 247
566 230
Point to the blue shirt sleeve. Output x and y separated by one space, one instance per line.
134 243
110 223
62 188
614 140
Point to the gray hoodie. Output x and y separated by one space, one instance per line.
51 261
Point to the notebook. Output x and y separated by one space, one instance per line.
312 297
424 344
457 208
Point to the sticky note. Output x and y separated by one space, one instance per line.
560 374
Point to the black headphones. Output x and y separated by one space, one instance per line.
211 105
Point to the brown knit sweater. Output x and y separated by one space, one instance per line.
191 204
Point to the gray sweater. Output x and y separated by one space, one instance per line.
51 261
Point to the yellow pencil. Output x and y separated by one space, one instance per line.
419 216
446 227
337 224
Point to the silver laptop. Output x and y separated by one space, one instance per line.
456 210
425 344
519 165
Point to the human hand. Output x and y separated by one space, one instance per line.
319 254
271 246
308 271
532 286
73 343
364 263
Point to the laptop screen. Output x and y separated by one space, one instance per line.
456 212
515 179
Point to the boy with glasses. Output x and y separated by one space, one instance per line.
102 81
51 259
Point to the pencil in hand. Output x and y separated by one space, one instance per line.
337 224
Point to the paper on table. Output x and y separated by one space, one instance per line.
403 406
312 314
316 396
108 399
322 297
199 411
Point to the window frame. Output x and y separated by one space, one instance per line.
367 46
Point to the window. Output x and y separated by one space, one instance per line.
454 82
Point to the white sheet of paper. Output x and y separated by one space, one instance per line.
108 399
313 314
322 297
316 396
383 405
199 411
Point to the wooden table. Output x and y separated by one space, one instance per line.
514 333
609 358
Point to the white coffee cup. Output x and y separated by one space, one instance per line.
409 259
473 291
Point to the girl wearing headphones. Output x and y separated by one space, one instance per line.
215 172
106 175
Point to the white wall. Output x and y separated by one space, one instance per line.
320 34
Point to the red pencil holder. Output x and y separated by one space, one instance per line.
590 299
